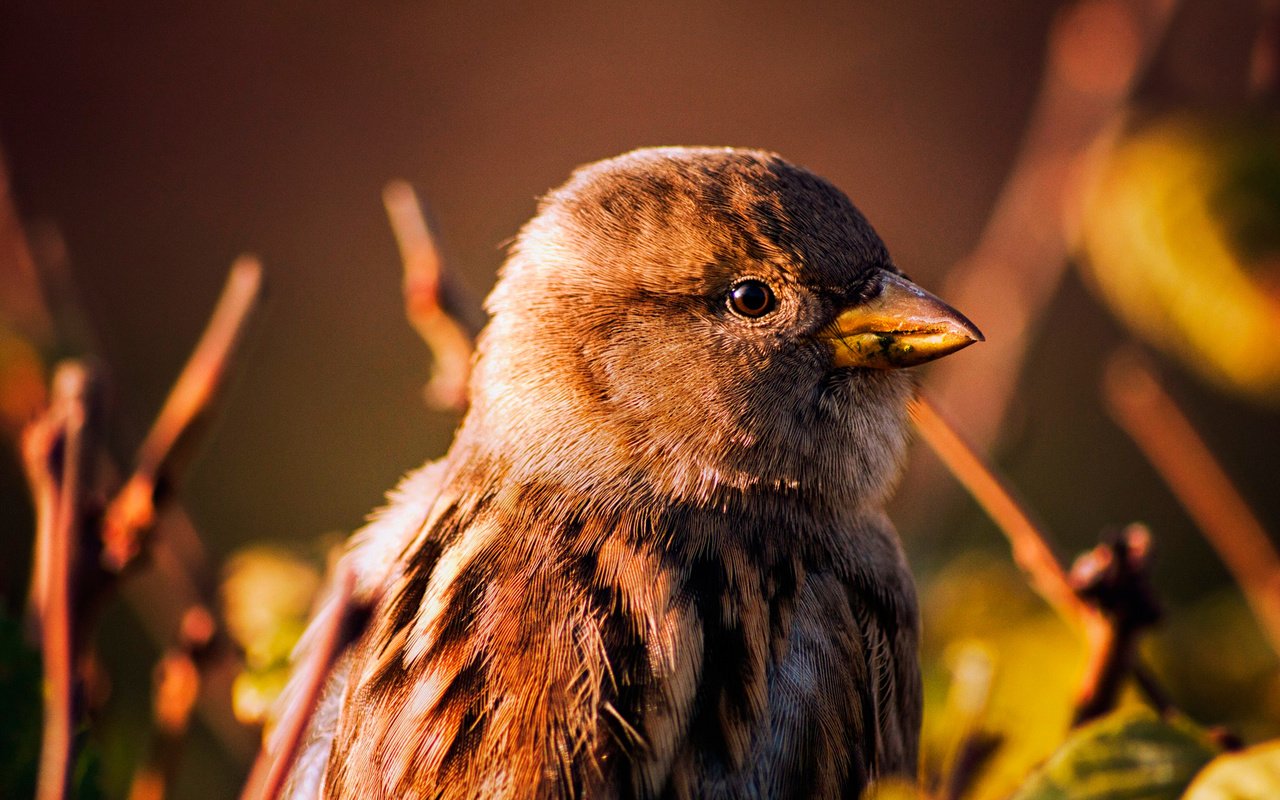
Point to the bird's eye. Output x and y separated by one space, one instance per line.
751 298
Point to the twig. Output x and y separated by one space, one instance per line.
1114 578
1098 50
1031 551
58 453
38 440
1151 418
1109 656
446 339
177 687
27 306
131 514
1151 689
334 630
973 754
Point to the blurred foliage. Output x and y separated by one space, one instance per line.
1180 233
1251 773
1128 754
980 601
267 594
978 609
1217 664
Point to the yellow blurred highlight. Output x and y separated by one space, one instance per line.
1254 772
892 789
1162 257
254 694
997 659
267 596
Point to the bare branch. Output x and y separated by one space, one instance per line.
1109 623
449 343
27 304
1030 546
1098 49
1145 411
58 453
966 707
177 682
131 514
1114 578
333 631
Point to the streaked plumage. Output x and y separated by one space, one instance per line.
654 562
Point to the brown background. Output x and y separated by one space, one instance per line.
163 142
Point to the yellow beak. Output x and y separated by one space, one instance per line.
902 326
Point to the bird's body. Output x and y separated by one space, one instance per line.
654 562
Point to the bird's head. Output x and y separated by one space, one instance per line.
696 322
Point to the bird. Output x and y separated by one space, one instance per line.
655 561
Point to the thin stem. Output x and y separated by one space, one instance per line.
1111 658
448 342
1109 640
1030 546
59 504
333 632
131 514
1098 52
1145 411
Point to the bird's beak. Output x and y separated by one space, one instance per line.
900 327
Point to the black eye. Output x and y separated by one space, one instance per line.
751 299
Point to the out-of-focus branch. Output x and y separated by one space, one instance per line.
131 514
449 343
59 449
1114 578
1097 51
1031 550
1151 418
1108 618
177 680
47 315
175 579
333 629
59 453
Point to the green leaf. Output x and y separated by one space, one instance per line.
1252 774
1126 755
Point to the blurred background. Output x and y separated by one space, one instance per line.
996 148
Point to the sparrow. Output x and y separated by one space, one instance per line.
655 562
